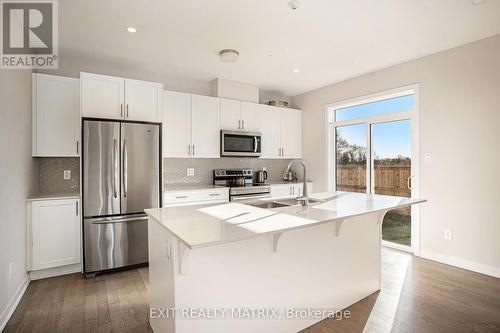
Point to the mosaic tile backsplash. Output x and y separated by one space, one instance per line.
50 171
174 169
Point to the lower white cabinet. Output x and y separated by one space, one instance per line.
173 198
54 237
289 190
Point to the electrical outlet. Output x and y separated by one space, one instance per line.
67 174
428 157
190 172
448 234
11 269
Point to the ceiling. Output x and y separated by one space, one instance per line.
328 40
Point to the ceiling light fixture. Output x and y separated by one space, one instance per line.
296 70
131 29
477 2
294 4
229 55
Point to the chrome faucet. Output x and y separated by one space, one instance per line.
304 199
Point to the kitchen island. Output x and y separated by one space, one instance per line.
262 266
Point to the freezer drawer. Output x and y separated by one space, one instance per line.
113 242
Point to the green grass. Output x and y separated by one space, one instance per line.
396 228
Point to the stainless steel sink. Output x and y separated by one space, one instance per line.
269 204
294 202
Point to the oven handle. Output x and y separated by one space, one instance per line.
245 197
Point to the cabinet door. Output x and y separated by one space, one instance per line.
291 133
56 115
56 233
269 124
176 130
143 100
205 126
102 96
230 113
250 116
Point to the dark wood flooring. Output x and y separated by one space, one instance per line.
417 295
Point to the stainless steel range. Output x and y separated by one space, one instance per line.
241 184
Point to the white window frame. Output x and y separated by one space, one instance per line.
412 115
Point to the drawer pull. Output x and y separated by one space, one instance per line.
214 194
182 197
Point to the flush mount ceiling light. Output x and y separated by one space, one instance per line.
294 4
131 29
296 70
229 55
478 2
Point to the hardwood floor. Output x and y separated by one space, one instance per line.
417 295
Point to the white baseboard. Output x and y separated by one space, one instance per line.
461 263
12 305
56 271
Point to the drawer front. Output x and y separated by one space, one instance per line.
195 196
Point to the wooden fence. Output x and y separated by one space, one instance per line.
389 179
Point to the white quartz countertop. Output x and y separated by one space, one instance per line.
191 187
206 225
54 196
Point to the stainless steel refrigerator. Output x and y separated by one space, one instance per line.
121 178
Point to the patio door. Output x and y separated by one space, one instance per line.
375 150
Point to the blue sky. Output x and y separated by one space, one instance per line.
389 139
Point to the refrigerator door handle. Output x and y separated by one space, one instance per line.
104 221
125 168
115 167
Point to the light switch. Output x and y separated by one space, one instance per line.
67 174
190 172
427 157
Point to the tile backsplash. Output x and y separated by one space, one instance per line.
174 169
50 175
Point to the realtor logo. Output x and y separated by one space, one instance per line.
29 34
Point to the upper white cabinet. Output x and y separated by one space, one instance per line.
191 125
205 126
53 233
143 100
239 116
281 132
104 96
56 115
176 127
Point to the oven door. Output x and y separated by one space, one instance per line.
237 143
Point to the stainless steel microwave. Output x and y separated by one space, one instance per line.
238 143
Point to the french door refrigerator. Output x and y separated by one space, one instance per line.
121 178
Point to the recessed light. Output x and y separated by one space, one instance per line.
131 29
296 70
478 2
294 4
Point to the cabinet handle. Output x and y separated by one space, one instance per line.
121 110
77 208
239 124
127 110
243 124
193 150
77 152
282 152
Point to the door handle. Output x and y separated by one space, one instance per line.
255 143
125 168
115 167
408 182
142 218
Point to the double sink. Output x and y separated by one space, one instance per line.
279 203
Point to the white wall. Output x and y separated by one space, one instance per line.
16 179
460 125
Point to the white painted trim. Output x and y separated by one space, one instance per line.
13 303
461 263
55 271
396 246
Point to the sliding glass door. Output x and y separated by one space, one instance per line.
375 148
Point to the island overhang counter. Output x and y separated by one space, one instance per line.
235 267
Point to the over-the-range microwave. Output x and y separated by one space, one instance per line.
239 143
